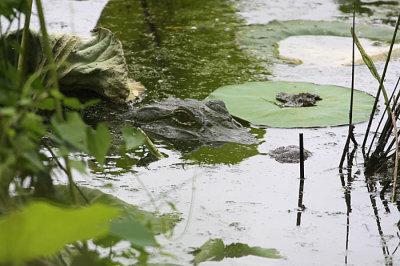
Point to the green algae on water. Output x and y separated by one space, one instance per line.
183 48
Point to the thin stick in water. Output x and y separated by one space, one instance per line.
396 162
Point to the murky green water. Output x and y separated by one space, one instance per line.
184 48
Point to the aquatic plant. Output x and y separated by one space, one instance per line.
256 102
385 146
34 147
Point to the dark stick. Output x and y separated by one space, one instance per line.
346 146
350 134
352 69
301 185
381 83
301 156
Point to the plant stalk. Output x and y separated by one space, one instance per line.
53 80
25 42
381 83
396 162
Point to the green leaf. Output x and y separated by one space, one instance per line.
133 137
215 250
90 103
132 231
255 102
99 142
46 104
73 103
92 258
78 165
237 250
8 7
73 130
41 229
8 111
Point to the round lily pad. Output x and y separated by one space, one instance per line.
256 102
262 40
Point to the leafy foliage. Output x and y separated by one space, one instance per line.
8 8
40 131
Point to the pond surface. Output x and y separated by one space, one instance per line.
238 193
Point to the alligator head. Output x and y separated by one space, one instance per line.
189 120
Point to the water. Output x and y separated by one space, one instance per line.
252 199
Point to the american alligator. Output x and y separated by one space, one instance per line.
204 123
288 154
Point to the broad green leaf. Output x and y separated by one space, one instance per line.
262 40
99 142
73 130
41 229
132 231
133 137
215 250
255 102
46 104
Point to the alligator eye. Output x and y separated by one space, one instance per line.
183 117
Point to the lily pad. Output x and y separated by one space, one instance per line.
262 40
256 103
96 64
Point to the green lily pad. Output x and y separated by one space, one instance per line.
256 103
262 40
